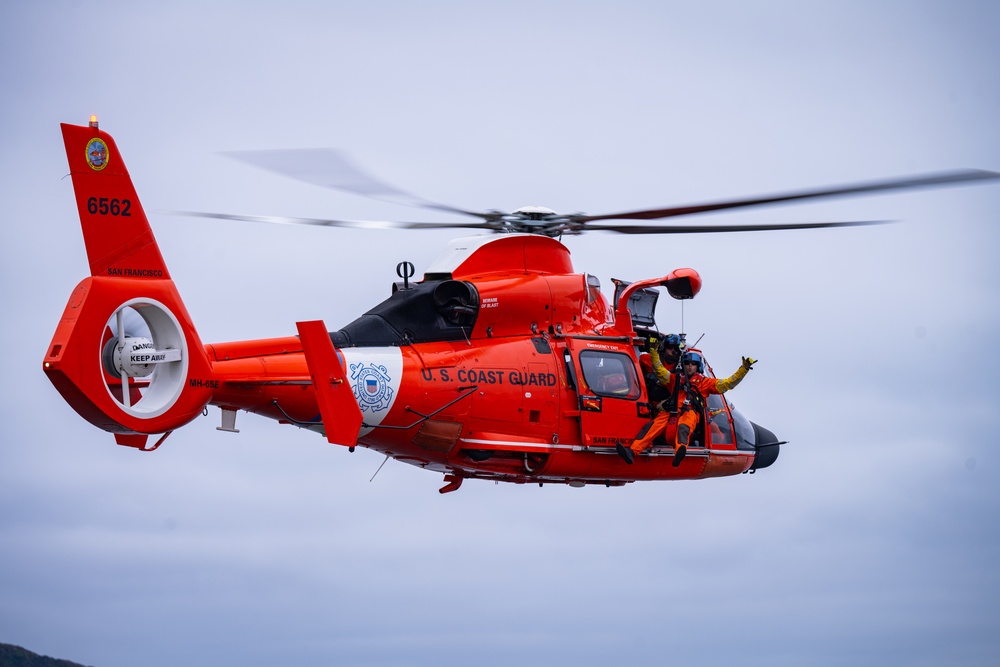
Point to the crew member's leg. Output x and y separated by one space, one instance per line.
685 426
645 437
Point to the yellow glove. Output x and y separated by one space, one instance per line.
662 374
725 385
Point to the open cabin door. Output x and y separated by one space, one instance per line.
612 402
641 305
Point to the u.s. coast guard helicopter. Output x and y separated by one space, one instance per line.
501 363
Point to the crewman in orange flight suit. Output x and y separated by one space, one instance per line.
678 415
669 351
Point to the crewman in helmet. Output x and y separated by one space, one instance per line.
664 356
669 351
678 415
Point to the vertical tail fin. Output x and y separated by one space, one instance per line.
125 355
115 229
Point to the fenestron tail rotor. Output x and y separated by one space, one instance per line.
332 169
143 353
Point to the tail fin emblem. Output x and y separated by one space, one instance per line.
97 154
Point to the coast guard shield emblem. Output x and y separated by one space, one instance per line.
370 383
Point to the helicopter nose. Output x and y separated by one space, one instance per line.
767 447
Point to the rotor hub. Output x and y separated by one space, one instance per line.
535 213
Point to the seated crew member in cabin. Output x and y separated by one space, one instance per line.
668 351
666 356
679 413
657 366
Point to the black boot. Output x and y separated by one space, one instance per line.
683 433
679 455
625 453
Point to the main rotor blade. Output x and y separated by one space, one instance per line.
706 229
944 179
323 222
333 169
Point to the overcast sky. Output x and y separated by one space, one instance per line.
873 540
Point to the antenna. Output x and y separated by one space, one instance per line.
405 270
379 469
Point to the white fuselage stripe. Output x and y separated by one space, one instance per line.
545 445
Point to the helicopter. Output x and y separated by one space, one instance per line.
501 363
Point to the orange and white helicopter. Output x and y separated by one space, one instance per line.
502 363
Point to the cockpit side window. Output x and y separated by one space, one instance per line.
593 288
720 428
610 374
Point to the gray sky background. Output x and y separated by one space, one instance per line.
872 541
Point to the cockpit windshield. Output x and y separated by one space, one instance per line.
746 437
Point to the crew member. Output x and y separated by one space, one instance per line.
669 352
658 366
665 356
679 413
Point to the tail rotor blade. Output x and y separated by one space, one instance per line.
120 324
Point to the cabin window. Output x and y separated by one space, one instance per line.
610 374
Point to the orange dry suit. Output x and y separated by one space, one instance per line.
679 414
